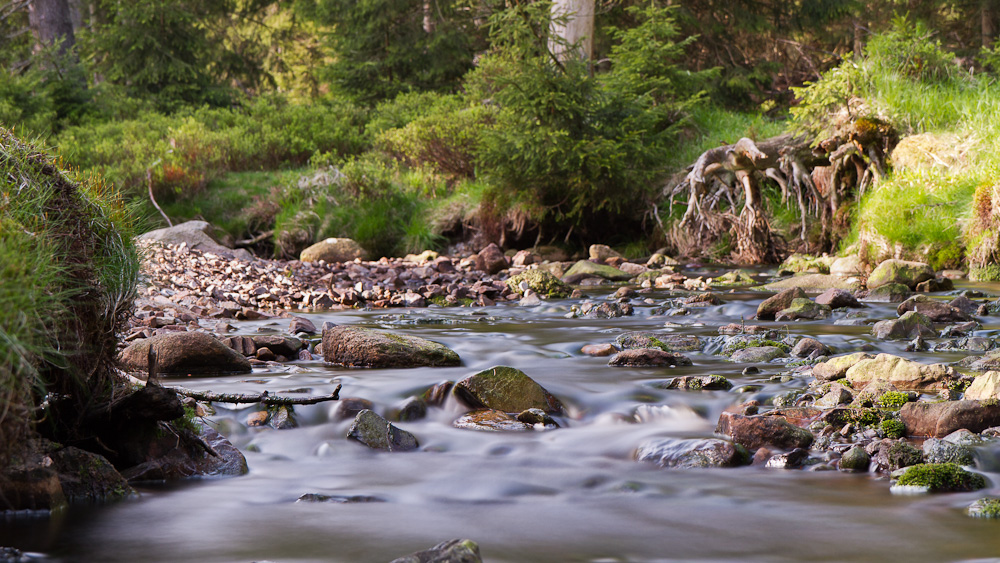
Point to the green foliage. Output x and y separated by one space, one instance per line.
158 48
68 275
941 477
380 47
571 147
893 400
893 428
185 150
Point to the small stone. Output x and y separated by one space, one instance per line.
536 416
809 347
804 309
452 551
265 354
300 324
757 355
772 305
755 431
901 272
506 389
700 383
693 453
257 418
599 350
377 433
490 420
837 299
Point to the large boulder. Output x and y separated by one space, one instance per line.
185 353
587 269
196 235
378 434
370 348
334 250
902 373
900 271
815 283
451 551
937 420
906 327
936 311
693 453
769 307
836 367
984 387
505 389
756 431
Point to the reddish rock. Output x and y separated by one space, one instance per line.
753 432
599 349
491 259
770 306
940 419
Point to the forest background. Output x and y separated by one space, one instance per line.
411 125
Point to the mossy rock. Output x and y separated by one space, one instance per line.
735 277
506 389
985 508
802 263
365 347
665 342
739 342
888 293
804 309
586 268
940 478
541 282
815 283
900 271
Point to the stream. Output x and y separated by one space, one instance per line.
569 494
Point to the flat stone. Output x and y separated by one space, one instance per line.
365 347
662 341
693 453
506 389
757 355
586 268
809 347
815 283
700 383
599 350
647 357
378 434
888 293
490 420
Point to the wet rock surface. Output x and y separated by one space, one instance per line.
185 353
506 389
379 434
687 454
363 347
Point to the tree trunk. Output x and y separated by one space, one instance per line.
987 19
573 22
51 22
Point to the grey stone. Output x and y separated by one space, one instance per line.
377 433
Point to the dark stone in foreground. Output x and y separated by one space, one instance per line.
673 452
187 460
378 434
753 432
937 420
452 551
648 357
365 347
185 353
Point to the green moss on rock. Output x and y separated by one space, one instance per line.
541 282
941 478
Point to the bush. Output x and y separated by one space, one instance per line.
185 150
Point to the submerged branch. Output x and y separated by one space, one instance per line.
263 398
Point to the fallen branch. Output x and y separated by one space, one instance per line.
262 398
254 240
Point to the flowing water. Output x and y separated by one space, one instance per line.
571 494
